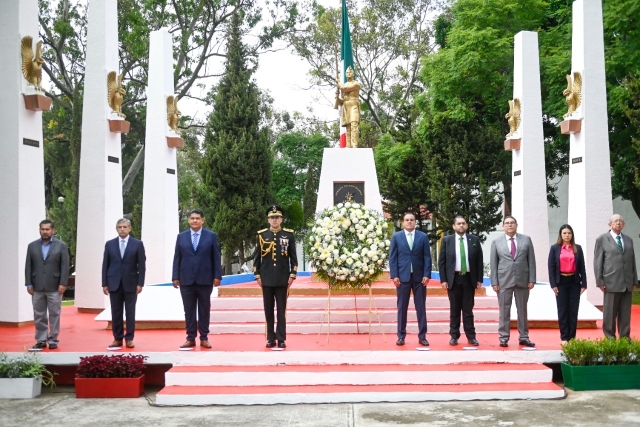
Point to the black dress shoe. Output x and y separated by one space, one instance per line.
271 343
473 341
527 343
281 344
503 342
453 341
424 342
400 341
53 345
39 346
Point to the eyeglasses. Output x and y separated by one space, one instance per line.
510 223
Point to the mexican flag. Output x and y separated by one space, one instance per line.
346 61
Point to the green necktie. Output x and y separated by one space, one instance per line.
463 257
619 243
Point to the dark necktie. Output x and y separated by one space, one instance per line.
513 248
619 242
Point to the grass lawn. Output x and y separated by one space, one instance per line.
636 297
70 302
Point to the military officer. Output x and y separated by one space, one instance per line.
274 267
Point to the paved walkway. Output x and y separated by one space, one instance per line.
584 409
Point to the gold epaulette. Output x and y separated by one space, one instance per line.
288 230
262 231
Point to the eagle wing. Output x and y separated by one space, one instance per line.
27 57
576 88
171 107
516 107
112 85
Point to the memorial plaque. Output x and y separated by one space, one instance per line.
31 142
517 173
113 159
352 192
576 160
171 171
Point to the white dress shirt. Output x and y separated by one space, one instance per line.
615 238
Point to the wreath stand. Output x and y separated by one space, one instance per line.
373 309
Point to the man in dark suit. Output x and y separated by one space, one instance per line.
513 273
410 270
46 273
123 269
460 267
614 265
275 267
196 270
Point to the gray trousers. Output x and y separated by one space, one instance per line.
505 298
47 328
616 306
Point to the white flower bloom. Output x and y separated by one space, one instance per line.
343 257
338 230
356 205
327 238
380 262
385 225
347 205
361 276
340 205
353 279
351 229
349 261
365 260
329 261
335 252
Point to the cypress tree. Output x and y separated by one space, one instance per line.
236 167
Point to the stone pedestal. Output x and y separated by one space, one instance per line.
37 102
570 126
590 200
529 184
160 221
118 124
350 165
100 193
511 144
22 169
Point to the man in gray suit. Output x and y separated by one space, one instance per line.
614 264
513 272
46 273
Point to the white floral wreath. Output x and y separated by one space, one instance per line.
348 244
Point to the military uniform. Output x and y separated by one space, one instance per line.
274 264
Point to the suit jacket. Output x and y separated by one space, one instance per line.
447 258
128 270
580 277
276 260
197 267
507 272
401 258
47 275
614 268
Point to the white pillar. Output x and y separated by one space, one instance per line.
160 221
590 200
529 183
22 171
100 193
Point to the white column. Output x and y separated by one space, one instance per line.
100 193
590 200
529 184
160 197
22 170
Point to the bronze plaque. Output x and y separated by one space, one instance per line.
348 192
31 142
576 160
517 173
113 159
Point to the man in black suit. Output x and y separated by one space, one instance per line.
123 270
460 266
196 270
275 267
46 273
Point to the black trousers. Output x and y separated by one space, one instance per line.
419 300
568 302
461 298
123 300
197 298
279 295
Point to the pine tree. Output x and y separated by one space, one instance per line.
236 167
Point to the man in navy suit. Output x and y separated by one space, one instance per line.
196 270
410 270
123 270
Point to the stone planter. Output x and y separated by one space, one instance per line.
602 377
20 388
109 387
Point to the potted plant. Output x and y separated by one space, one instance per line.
119 375
603 364
22 377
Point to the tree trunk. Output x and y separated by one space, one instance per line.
241 258
135 167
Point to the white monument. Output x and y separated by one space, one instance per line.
590 200
160 221
529 183
100 193
22 171
348 170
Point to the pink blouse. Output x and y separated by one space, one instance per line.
567 260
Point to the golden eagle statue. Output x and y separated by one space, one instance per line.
116 93
32 64
173 114
513 116
573 93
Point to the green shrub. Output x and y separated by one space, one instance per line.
25 366
581 352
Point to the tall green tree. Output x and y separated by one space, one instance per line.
236 167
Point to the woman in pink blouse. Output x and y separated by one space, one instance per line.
568 280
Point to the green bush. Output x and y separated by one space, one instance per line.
25 366
603 351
